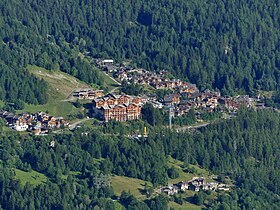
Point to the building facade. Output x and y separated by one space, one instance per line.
120 108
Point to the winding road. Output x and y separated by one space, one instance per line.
75 124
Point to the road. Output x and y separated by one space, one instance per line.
185 128
75 124
113 90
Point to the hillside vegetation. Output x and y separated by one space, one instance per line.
33 177
59 82
245 148
233 46
59 89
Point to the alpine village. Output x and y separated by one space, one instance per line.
139 105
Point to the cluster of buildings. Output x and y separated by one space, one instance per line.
185 96
196 184
38 123
183 102
118 107
206 101
87 93
101 63
141 76
156 80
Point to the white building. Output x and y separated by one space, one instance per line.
20 127
107 61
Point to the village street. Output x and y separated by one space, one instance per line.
75 124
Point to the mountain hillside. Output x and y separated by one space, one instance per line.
229 45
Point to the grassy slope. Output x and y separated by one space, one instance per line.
54 108
60 85
122 183
109 84
73 173
183 176
63 84
2 103
187 206
33 177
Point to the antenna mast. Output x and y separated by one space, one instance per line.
170 116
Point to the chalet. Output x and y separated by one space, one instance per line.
27 122
37 130
51 124
121 112
182 109
111 101
196 97
20 125
133 112
5 114
223 187
144 99
98 103
156 104
229 103
260 105
171 99
183 186
123 99
88 93
83 94
10 118
137 100
95 94
106 62
163 72
170 190
210 186
121 75
109 68
244 101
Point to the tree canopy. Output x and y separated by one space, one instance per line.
223 44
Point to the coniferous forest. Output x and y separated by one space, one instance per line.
245 148
226 45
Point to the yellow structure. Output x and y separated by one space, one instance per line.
145 132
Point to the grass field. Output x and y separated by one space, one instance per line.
60 108
118 206
63 84
2 103
33 177
6 129
109 84
134 186
184 206
60 87
73 173
183 176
